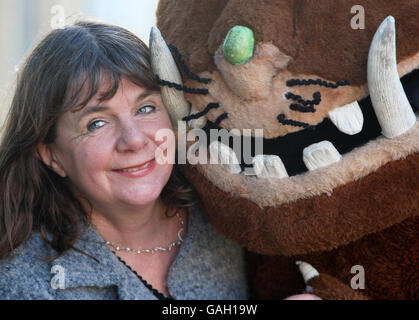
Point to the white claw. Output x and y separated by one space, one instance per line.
222 154
320 155
165 67
348 119
389 100
307 271
269 166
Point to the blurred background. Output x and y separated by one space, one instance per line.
23 23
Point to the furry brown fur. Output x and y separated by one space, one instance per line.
317 34
322 223
362 210
387 257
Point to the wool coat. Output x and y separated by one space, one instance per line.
207 267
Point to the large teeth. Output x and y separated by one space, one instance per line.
197 123
165 67
320 155
348 119
389 100
222 154
269 166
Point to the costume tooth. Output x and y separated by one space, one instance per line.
320 155
269 166
388 98
348 119
224 155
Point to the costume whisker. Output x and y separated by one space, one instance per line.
202 113
316 99
220 119
182 63
300 108
304 105
289 122
180 87
318 82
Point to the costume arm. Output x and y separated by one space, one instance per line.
326 286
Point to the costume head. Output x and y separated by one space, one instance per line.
334 88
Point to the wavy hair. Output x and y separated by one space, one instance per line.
64 71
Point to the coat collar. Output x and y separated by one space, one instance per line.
107 271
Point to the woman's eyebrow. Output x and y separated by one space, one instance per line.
92 109
146 94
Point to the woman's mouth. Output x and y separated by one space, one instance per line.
137 171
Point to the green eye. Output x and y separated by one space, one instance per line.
239 45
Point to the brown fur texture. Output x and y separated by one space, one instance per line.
387 258
198 28
372 204
362 210
390 257
294 39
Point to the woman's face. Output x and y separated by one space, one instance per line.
94 144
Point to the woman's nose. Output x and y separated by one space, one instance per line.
131 138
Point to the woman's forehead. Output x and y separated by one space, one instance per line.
91 89
125 89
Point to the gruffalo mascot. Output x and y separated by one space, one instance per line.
331 204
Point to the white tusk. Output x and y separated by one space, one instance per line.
320 155
269 166
348 119
389 100
165 67
222 154
307 271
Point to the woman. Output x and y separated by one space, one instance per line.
86 209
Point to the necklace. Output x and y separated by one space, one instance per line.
178 242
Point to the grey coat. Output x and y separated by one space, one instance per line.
207 266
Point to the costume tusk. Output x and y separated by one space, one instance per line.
389 100
164 66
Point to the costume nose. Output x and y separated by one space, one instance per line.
132 138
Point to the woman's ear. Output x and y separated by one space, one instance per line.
47 156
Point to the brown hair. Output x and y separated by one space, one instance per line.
67 61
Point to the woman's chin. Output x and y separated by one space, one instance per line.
141 197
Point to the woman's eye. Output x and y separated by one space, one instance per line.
146 109
95 125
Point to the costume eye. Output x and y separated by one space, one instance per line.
147 109
239 45
95 125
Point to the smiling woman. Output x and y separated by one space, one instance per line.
84 192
